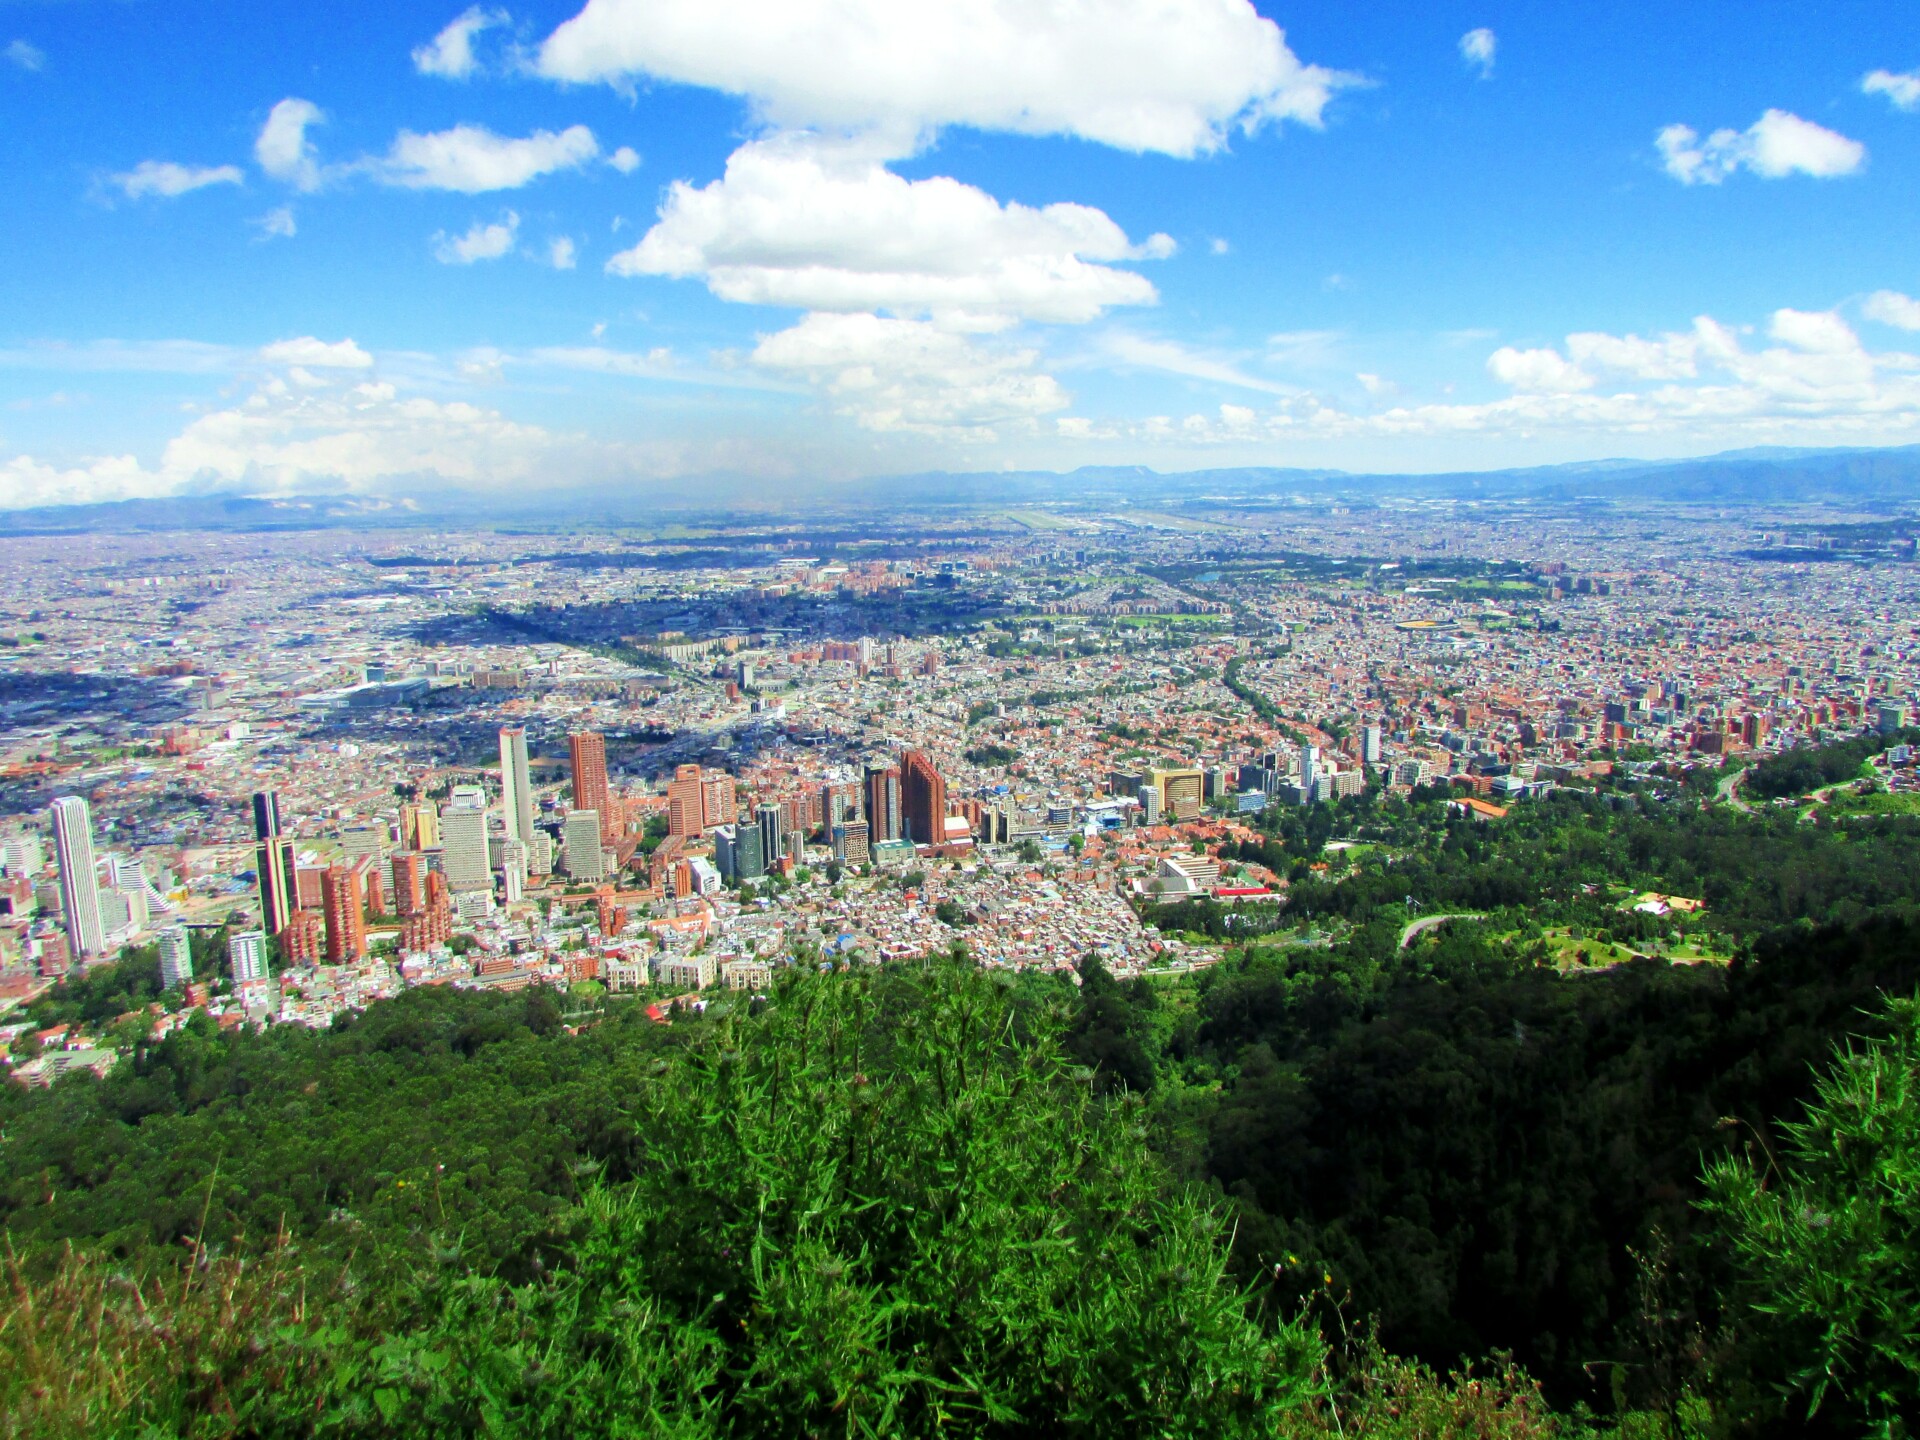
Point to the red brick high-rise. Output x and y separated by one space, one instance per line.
686 802
409 874
367 867
588 749
300 938
698 800
346 921
430 923
923 800
718 803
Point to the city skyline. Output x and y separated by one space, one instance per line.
565 248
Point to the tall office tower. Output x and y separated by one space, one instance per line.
839 803
419 827
1309 771
718 804
686 802
340 903
79 885
176 958
464 855
883 802
583 845
516 785
850 842
273 864
736 850
409 871
266 814
923 800
750 855
247 956
590 790
513 871
1370 744
773 833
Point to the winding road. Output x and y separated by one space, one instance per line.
1728 790
1428 922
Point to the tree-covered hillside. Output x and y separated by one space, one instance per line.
920 1199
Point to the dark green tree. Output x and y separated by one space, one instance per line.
1827 1244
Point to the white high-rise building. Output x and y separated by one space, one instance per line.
1370 744
21 855
513 871
582 841
1309 771
464 855
247 956
176 958
79 886
516 785
116 915
130 878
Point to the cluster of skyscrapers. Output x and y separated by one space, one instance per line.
453 858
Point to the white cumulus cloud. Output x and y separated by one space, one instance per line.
317 354
826 226
1671 357
165 178
471 159
1477 49
27 57
1775 145
913 376
481 242
626 159
1819 331
1890 307
283 149
1537 372
450 53
1815 383
25 481
560 253
318 423
1902 87
361 437
1167 75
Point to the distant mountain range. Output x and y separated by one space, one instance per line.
1767 476
1871 479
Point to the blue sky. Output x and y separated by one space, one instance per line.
622 242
